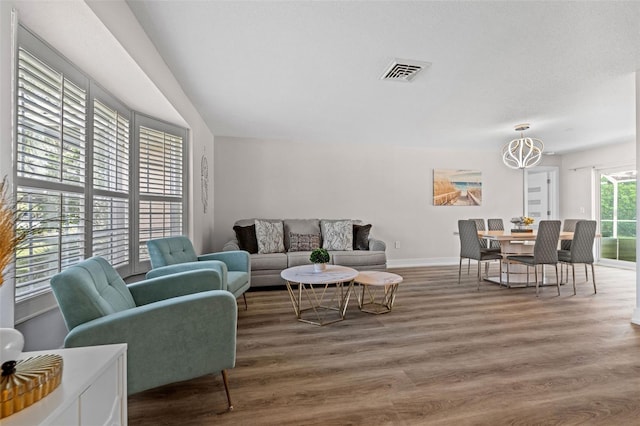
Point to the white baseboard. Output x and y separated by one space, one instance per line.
430 261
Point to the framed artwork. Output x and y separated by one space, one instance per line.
457 187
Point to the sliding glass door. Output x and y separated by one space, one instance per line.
617 215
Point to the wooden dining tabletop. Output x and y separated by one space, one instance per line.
517 236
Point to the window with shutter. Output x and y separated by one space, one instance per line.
110 222
50 166
161 177
80 164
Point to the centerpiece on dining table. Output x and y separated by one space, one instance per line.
522 224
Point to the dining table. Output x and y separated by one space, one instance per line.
515 243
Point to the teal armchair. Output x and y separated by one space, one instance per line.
176 254
176 327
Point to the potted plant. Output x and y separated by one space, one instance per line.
319 257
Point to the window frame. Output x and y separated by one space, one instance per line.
32 306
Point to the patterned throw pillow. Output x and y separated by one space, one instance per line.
337 234
270 236
303 242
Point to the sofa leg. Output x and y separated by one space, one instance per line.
226 389
244 296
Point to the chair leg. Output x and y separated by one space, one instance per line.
226 389
535 269
593 278
573 275
244 296
586 274
468 266
557 280
459 270
508 280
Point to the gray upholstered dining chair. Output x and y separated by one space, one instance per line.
470 247
545 252
581 250
480 227
568 225
495 225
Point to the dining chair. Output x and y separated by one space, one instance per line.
480 227
470 247
545 252
495 225
568 225
581 251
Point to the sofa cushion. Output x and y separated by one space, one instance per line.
303 242
361 237
246 236
299 226
298 258
268 262
337 234
358 258
270 236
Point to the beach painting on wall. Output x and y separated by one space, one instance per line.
457 187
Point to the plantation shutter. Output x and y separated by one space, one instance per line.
50 170
161 184
110 224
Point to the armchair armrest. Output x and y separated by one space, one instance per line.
376 245
231 246
181 338
216 265
174 285
237 260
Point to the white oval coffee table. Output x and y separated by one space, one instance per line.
378 291
320 295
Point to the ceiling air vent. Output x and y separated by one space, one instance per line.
404 70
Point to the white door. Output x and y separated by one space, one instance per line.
541 193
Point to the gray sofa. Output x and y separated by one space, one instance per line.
370 255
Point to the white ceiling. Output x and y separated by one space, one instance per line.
309 70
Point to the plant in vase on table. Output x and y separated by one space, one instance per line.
522 224
319 257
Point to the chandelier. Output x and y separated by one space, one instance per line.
523 152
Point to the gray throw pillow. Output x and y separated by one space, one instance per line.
270 236
246 236
361 237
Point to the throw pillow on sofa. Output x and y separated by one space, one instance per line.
303 242
361 237
246 236
337 235
270 236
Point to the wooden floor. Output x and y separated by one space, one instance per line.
446 355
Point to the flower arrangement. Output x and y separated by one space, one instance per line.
523 220
522 224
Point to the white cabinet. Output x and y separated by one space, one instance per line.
93 390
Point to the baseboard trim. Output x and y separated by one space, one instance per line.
431 261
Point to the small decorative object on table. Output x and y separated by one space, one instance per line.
522 224
27 381
319 257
